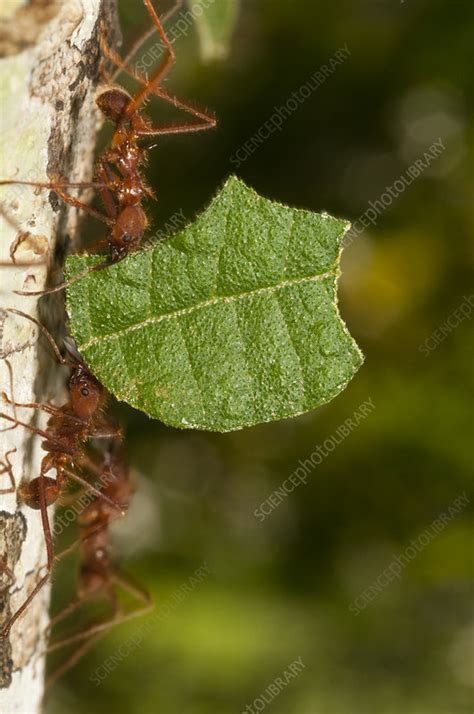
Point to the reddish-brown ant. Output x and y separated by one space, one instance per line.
98 576
118 173
67 430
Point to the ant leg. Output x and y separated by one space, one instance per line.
48 539
161 71
131 586
178 129
122 65
33 405
69 473
87 463
48 408
31 428
89 487
43 330
66 283
73 658
76 203
57 186
6 468
29 264
71 548
79 541
107 177
92 629
141 595
208 121
62 614
9 624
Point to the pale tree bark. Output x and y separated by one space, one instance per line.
49 120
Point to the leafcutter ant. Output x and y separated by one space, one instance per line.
68 429
118 176
99 577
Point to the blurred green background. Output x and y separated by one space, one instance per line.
282 589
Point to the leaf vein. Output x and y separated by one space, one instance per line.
181 312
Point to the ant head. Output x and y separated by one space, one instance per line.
127 231
86 393
113 103
30 493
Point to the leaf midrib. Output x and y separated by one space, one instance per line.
221 299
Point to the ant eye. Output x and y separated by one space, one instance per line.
126 237
85 392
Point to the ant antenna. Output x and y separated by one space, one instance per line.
144 38
66 284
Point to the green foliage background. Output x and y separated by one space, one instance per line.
282 588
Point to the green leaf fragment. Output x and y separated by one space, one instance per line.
215 24
230 323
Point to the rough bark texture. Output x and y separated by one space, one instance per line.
49 121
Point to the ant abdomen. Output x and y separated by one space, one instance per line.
30 492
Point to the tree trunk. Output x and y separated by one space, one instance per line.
48 81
